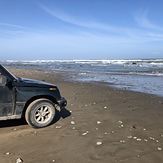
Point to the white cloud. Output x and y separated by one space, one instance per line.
84 23
12 25
111 31
143 20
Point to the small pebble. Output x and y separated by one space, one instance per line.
152 138
98 143
98 122
120 122
85 133
19 160
105 107
72 122
122 141
145 140
159 148
7 153
129 137
58 127
138 139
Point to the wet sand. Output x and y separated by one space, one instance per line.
99 124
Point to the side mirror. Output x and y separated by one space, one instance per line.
3 80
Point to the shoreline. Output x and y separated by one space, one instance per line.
106 125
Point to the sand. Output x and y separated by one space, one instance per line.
99 124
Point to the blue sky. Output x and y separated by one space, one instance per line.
81 29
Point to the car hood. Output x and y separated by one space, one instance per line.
34 83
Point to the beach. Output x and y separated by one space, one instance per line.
99 124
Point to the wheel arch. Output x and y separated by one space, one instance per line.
51 98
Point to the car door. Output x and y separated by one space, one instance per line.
7 98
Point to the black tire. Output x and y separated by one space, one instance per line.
40 113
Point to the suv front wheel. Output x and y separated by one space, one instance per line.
40 113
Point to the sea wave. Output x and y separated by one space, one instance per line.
149 66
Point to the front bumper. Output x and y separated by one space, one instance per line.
61 103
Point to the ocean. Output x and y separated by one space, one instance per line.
144 75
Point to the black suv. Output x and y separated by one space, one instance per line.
37 101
